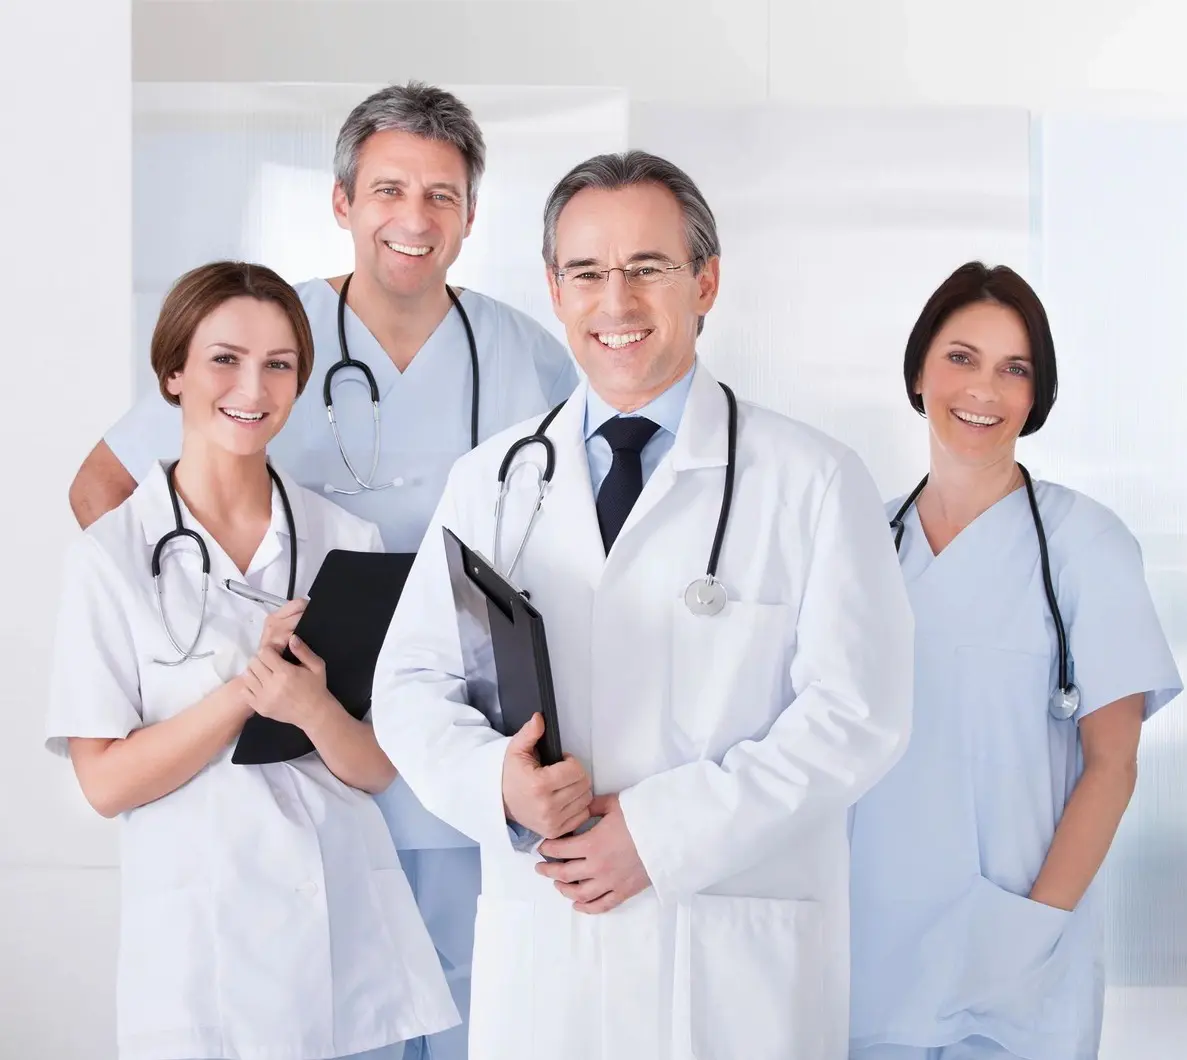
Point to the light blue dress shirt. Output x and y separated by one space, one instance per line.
666 410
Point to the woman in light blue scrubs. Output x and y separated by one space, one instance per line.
975 931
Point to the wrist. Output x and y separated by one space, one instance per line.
317 713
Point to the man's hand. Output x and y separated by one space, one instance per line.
550 800
602 867
279 625
278 689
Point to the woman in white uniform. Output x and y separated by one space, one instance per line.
264 912
974 912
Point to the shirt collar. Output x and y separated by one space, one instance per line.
151 499
666 409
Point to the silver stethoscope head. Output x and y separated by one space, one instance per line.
1064 703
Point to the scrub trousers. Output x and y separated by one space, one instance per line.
446 885
975 1048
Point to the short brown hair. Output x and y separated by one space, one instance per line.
200 292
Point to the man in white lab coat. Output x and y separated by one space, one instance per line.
705 913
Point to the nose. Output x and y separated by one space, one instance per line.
984 386
619 298
251 381
413 215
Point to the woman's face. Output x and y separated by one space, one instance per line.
977 383
240 376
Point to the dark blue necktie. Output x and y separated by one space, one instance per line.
624 482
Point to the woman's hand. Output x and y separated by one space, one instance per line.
279 625
278 689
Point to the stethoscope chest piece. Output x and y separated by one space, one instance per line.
705 596
1065 703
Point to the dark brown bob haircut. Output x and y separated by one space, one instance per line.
969 285
200 292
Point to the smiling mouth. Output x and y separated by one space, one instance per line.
244 419
621 340
407 249
973 420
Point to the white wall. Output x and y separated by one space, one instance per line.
65 273
1119 54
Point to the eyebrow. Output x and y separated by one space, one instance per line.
639 255
240 349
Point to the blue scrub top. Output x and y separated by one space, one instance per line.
946 945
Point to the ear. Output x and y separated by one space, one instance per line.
341 205
470 220
173 384
554 289
708 282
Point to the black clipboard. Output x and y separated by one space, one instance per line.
351 602
504 648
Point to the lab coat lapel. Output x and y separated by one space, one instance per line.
701 441
569 520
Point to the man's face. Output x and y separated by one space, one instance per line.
632 341
409 214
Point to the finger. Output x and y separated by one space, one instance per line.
524 741
259 671
601 805
600 905
588 891
270 658
565 871
562 774
573 847
292 609
577 804
305 655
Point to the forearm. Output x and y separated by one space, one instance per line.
1084 834
349 748
156 760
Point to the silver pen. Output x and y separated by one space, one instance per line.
255 595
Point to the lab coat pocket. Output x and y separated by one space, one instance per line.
1016 959
167 966
502 1012
755 979
728 675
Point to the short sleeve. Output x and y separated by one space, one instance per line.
94 685
1115 638
149 431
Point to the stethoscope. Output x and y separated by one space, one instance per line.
1065 700
346 361
705 595
179 531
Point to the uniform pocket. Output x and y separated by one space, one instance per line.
727 673
756 979
1015 959
502 1010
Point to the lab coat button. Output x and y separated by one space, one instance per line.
308 888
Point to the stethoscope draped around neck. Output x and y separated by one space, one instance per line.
181 533
1065 700
703 596
346 361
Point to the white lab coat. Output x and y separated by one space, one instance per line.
264 913
736 742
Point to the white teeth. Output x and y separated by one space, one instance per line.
416 252
979 421
247 417
617 341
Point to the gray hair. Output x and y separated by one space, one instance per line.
415 108
615 171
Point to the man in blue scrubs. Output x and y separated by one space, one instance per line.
407 167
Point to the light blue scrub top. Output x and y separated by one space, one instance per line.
945 943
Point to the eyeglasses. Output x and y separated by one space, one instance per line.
644 274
